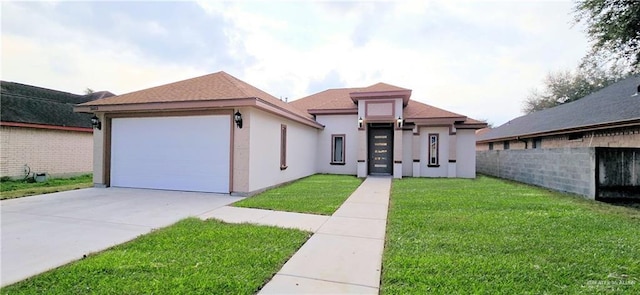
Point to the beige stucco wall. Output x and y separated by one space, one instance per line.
619 137
465 153
56 152
338 124
241 152
443 157
98 153
264 155
407 153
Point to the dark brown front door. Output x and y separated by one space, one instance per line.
381 151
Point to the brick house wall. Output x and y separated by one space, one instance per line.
618 137
56 152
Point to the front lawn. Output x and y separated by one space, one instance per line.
459 236
316 194
11 189
190 257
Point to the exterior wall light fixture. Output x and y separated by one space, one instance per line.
237 117
360 122
399 122
95 122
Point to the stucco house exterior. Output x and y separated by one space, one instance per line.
216 133
40 133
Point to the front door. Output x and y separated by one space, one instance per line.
380 151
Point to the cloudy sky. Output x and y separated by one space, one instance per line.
477 58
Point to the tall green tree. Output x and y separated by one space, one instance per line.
613 27
567 86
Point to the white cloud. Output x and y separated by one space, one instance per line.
72 60
475 58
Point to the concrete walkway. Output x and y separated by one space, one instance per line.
345 253
307 222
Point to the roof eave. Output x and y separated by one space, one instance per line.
434 120
470 125
198 104
46 126
585 128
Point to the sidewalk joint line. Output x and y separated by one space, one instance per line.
329 281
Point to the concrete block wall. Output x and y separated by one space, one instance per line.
563 169
56 152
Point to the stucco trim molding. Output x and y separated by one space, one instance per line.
333 111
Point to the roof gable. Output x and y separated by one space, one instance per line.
23 103
616 103
381 87
214 87
340 100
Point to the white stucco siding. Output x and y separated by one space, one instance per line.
264 156
334 125
98 153
407 153
443 146
465 153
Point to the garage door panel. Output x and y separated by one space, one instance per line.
176 153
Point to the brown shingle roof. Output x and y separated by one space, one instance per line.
418 110
381 87
338 99
216 86
327 100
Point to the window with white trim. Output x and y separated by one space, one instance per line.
338 149
433 150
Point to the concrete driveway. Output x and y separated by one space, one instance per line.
43 232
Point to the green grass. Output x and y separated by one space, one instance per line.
316 194
10 189
190 257
489 236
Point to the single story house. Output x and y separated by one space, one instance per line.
609 117
589 147
40 133
216 133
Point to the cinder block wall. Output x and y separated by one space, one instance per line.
56 152
564 169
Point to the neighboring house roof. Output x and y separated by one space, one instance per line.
26 104
218 87
340 101
615 105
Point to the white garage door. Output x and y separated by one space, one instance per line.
188 153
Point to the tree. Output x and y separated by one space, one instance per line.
567 86
88 91
613 26
489 124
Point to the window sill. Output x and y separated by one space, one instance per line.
283 167
336 163
433 166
